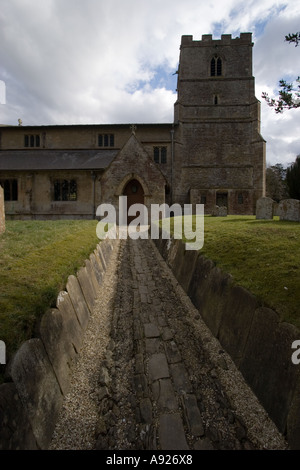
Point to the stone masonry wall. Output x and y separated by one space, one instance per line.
133 162
218 145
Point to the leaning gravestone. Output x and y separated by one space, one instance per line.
289 209
2 211
264 208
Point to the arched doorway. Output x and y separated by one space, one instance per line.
135 195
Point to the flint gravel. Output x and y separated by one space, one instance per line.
76 428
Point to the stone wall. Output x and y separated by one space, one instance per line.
40 371
2 211
73 153
218 145
133 162
81 136
258 342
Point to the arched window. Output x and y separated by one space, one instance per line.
216 67
213 67
219 67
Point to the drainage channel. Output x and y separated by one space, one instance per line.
150 375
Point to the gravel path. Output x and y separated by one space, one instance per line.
151 376
76 427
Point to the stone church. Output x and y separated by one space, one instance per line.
211 154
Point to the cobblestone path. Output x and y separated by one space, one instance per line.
163 382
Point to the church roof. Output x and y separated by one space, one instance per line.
56 159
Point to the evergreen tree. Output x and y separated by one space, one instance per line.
293 179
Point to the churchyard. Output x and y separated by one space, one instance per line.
36 258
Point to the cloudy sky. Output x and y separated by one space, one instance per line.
112 61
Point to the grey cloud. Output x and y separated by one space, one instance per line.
68 61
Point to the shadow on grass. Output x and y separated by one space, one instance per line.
277 221
240 219
247 220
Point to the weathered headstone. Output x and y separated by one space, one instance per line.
289 209
2 211
219 211
264 208
15 428
38 389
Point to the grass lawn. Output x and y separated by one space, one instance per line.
36 258
261 255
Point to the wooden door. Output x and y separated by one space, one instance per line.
135 195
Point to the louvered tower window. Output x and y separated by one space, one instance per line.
216 67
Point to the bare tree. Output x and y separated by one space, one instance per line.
289 93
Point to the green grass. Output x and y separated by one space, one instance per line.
36 258
262 255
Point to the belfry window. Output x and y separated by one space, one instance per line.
219 66
216 67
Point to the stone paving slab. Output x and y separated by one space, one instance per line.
180 377
172 352
152 345
158 367
151 330
166 400
171 432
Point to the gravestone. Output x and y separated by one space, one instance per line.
2 211
219 211
264 208
289 209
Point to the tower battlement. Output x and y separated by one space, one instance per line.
208 41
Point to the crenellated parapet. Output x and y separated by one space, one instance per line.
226 40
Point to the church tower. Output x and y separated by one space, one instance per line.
219 156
